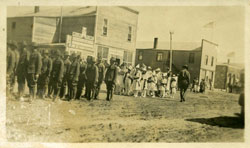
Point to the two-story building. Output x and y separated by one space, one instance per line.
200 57
112 28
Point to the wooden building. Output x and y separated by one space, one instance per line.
112 28
200 57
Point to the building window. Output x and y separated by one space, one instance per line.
13 25
206 60
129 33
127 58
105 27
103 52
212 61
140 55
191 57
159 56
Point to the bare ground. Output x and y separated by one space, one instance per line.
206 117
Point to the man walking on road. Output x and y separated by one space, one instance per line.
82 78
110 78
183 82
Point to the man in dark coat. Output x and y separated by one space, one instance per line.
110 78
10 66
50 85
183 81
67 64
91 77
101 74
34 69
74 71
57 74
82 78
21 70
43 80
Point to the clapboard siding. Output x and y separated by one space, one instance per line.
22 31
46 30
119 21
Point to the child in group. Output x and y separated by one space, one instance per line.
173 83
144 82
163 85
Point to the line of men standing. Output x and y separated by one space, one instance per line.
60 76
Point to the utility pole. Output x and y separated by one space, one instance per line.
171 54
60 30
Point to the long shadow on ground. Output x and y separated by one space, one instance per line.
223 121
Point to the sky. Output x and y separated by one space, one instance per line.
187 23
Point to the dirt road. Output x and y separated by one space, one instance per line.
202 118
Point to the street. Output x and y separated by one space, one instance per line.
206 117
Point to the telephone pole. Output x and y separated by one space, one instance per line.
171 54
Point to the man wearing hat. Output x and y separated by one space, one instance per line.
21 70
110 78
101 74
74 71
34 69
82 78
91 78
10 66
183 81
57 74
43 80
67 64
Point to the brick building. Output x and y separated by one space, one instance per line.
113 29
229 74
200 57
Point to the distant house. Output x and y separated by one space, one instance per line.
229 75
200 57
113 29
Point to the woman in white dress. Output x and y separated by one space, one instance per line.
136 80
128 81
144 82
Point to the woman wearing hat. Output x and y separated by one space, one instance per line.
128 81
144 82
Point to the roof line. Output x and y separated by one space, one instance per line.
129 9
210 42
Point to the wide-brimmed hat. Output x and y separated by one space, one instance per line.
137 66
149 68
144 69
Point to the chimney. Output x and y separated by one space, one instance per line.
228 61
36 9
155 43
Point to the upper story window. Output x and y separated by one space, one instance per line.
140 55
129 33
206 59
105 27
191 57
13 25
159 56
212 61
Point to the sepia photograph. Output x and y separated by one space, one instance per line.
130 74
